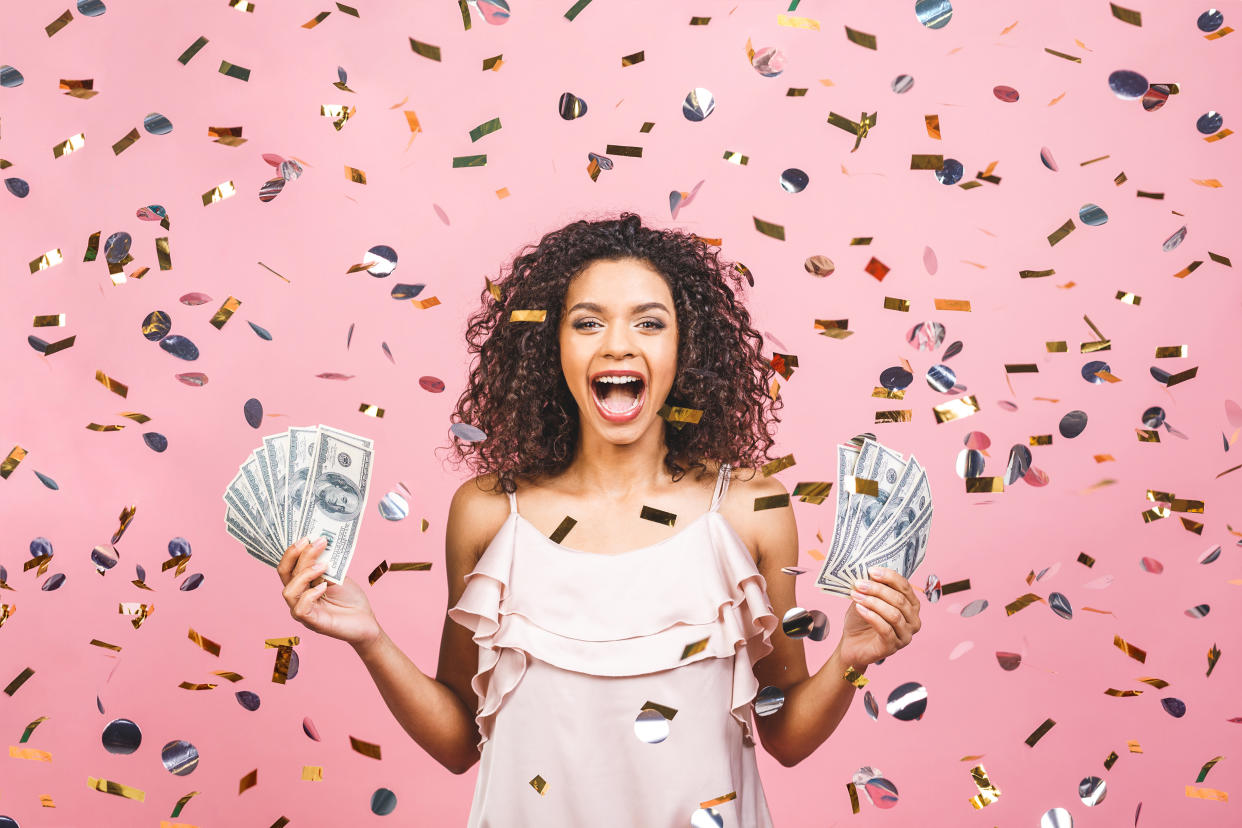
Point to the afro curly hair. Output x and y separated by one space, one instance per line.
531 431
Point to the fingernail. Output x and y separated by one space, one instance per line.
861 585
875 570
857 596
321 542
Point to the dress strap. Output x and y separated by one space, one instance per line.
512 503
722 486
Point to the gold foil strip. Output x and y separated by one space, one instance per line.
888 393
853 792
1107 376
1168 351
378 572
866 487
429 302
988 793
1129 298
115 386
229 136
955 586
933 130
984 485
812 491
678 414
893 303
225 312
176 811
926 162
1147 435
1129 649
867 41
220 192
898 415
663 710
769 229
858 129
736 157
1158 683
49 259
1021 368
227 674
628 60
1134 18
18 681
97 643
808 23
1213 655
365 748
855 678
11 461
59 23
425 49
41 561
234 71
162 253
1134 746
313 773
126 141
1071 58
1019 603
1203 772
1188 269
1178 504
779 464
539 784
528 315
371 410
287 641
1206 793
204 642
108 786
6 610
248 781
775 501
1086 560
189 685
1181 377
280 670
192 50
562 529
694 648
31 727
956 409
720 800
1040 731
1112 758
412 566
1035 274
355 175
1192 526
1040 440
142 611
952 304
316 20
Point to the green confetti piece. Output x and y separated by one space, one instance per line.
425 49
469 161
767 228
621 149
485 129
861 38
234 71
577 7
192 50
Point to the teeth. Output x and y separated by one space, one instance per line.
617 380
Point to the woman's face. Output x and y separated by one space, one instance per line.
619 320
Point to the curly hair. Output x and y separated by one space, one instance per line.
720 370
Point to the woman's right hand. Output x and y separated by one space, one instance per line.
335 610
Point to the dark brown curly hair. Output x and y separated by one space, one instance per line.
720 368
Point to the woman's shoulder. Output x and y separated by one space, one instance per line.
478 510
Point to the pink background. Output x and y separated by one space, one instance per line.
322 223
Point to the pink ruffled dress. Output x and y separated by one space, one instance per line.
573 644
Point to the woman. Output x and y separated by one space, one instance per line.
603 646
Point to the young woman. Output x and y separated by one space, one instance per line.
603 645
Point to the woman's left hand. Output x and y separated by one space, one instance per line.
882 619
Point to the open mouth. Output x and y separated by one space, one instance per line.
619 398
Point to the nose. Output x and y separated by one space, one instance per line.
617 342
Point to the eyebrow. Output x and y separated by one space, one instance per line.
645 306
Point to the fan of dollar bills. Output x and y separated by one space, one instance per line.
308 482
884 511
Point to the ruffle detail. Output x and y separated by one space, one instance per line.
574 610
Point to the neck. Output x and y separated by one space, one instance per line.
617 470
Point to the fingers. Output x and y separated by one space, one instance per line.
302 609
896 589
307 569
880 624
290 559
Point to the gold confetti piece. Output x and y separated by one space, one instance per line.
973 758
1169 351
953 304
1061 232
855 678
378 572
425 49
779 464
241 5
663 710
189 685
775 501
1178 504
248 781
229 136
485 128
988 793
204 642
108 786
1192 526
126 142
736 158
1129 649
1105 375
699 21
127 515
694 648
1019 603
1213 654
162 253
225 312
629 60
1206 793
877 269
97 643
775 231
853 792
678 414
29 752
1134 18
313 773
720 800
1181 377
893 303
280 823
1207 182
899 415
355 175
59 23
1187 270
6 610
861 241
1134 747
1218 34
888 393
69 145
142 611
858 129
797 22
1021 368
1158 683
219 193
1122 693
425 303
539 784
1129 298
956 409
1148 435
933 126
562 529
365 748
280 670
1085 559
528 315
31 727
1040 440
1207 766
834 328
112 385
926 162
20 679
176 811
287 641
1035 274
1112 758
234 71
11 461
812 491
228 674
985 485
371 410
192 50
867 41
1219 259
658 515
1040 731
316 20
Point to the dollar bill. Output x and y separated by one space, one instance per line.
237 496
885 469
258 493
301 453
903 553
240 530
908 481
277 448
847 459
269 490
334 497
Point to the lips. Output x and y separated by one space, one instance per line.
618 402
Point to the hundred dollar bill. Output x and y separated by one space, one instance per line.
906 509
885 471
269 489
301 453
258 493
847 458
900 494
240 530
237 496
277 448
903 553
334 497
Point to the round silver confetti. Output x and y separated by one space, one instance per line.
1045 155
9 822
393 506
17 186
38 344
1210 555
53 582
1008 661
974 607
91 8
121 736
495 12
698 104
571 106
116 247
926 336
260 331
883 793
976 440
271 188
179 757
902 84
1174 707
769 700
253 411
191 583
1056 818
179 547
40 546
869 703
1072 424
1092 790
1160 375
1089 371
796 623
819 265
403 291
103 558
1210 20
157 124
950 172
1155 97
1019 463
651 727
907 702
247 699
467 432
768 61
1061 605
706 818
1092 214
10 77
953 350
969 463
1005 93
1209 122
385 259
1127 85
934 14
1153 417
895 378
156 325
794 180
384 801
1198 611
932 590
1174 240
290 169
195 299
180 347
941 378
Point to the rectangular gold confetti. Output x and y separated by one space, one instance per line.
1059 346
365 748
1021 602
18 681
539 783
219 193
775 501
1112 758
1206 793
1134 18
953 304
70 145
988 793
29 753
10 462
1063 55
425 49
956 409
699 21
189 685
206 643
1021 368
775 231
1040 440
632 59
126 142
313 773
225 312
888 393
1133 745
355 175
57 24
1035 274
1085 559
657 515
893 303
112 385
693 648
287 641
192 50
97 643
861 241
779 464
528 315
234 71
926 162
1061 232
1192 526
736 158
812 491
1172 351
116 788
316 20
471 161
1158 683
897 415
1092 347
1129 649
1040 731
562 529
51 320
1181 377
853 792
371 410
933 126
1122 694
797 22
984 485
248 781
867 41
162 254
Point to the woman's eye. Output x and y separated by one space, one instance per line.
583 323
